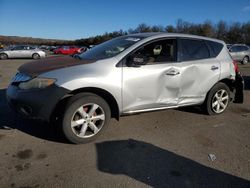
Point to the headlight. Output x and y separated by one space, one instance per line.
37 83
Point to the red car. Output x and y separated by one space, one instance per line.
67 50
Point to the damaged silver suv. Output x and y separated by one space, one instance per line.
126 75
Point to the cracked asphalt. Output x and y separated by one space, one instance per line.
167 148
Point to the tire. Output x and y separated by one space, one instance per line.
36 56
245 60
86 116
217 99
3 56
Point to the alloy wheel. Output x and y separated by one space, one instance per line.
87 120
220 101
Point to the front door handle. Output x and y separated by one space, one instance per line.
214 68
172 72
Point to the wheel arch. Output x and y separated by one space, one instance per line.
228 82
108 97
35 53
206 104
5 54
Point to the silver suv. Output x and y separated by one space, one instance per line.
126 75
240 52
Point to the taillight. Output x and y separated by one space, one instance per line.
236 67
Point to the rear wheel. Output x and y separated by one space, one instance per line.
85 117
245 60
36 56
3 56
217 99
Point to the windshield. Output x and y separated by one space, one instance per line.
110 48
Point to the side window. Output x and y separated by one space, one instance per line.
234 49
32 48
215 48
26 48
191 49
163 51
18 48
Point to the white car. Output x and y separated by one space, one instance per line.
22 51
240 52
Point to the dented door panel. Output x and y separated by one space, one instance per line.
150 86
168 85
198 77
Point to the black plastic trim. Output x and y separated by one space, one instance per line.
39 103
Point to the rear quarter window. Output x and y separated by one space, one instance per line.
215 48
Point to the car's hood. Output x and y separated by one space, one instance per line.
37 67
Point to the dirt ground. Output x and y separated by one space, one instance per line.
158 149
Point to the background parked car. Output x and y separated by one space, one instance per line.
22 51
67 50
43 47
51 48
240 52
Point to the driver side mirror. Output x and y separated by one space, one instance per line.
136 61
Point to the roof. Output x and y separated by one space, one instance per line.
165 34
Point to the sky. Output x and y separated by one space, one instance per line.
75 19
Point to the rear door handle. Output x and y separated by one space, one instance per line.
214 68
172 72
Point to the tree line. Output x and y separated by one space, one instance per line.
236 32
229 32
13 40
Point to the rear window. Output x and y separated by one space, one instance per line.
192 49
235 49
215 48
244 48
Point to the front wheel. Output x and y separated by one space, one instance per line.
85 117
217 99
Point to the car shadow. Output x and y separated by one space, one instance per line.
157 167
9 120
192 109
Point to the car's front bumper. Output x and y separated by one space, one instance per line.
35 103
